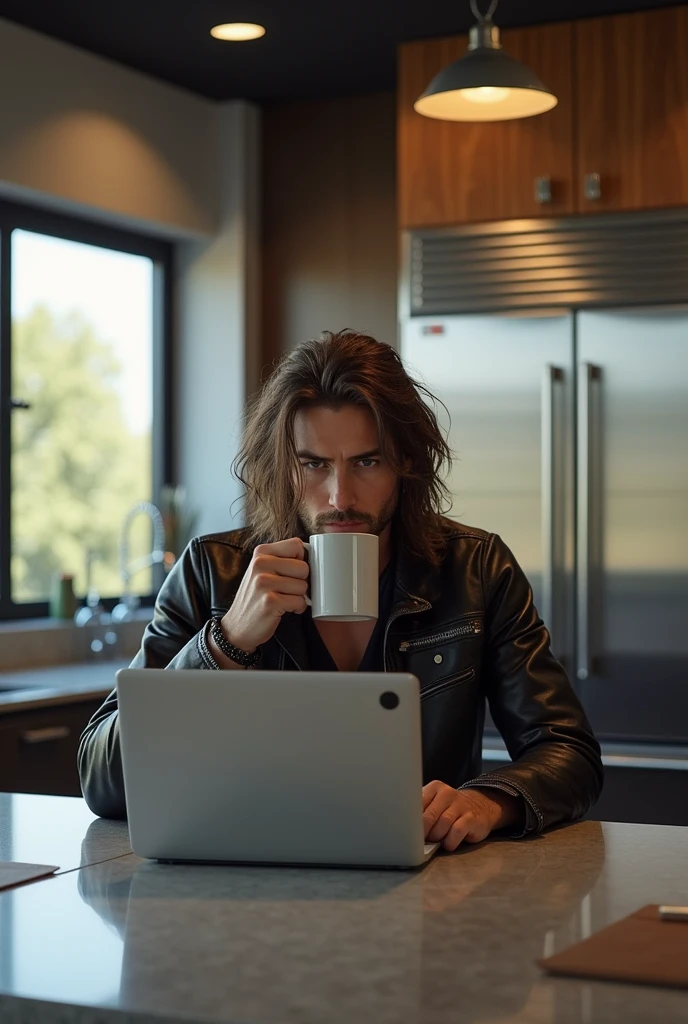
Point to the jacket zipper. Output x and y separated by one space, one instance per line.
473 628
447 684
418 606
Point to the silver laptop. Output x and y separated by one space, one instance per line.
273 767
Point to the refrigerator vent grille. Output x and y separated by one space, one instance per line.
598 260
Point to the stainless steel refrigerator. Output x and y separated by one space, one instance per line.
570 434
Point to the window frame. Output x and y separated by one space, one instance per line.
73 228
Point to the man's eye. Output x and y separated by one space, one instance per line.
313 464
368 463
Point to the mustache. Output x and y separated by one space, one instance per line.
350 516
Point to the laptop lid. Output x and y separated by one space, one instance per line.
272 767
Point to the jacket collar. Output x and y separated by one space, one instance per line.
415 578
290 636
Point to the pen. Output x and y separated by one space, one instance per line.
674 913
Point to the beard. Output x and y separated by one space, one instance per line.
376 524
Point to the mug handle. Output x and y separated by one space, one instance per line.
307 599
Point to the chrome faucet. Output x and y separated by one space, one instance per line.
127 569
101 639
92 611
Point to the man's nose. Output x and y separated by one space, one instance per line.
342 494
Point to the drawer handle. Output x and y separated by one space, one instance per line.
46 735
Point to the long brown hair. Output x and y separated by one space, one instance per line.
344 368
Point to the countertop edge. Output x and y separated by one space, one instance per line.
17 701
29 1010
616 755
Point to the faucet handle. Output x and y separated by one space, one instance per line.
124 611
92 612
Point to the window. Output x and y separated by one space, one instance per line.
84 380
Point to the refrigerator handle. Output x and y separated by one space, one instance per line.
587 373
552 376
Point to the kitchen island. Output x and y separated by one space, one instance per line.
125 940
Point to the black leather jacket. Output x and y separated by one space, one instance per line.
475 610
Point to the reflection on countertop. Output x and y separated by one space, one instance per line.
457 940
37 829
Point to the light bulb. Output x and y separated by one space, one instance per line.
486 94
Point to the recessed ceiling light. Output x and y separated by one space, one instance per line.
237 31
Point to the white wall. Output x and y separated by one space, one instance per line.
80 130
88 136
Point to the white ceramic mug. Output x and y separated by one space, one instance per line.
344 576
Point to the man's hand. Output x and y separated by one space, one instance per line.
451 816
275 582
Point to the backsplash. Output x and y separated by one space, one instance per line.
44 642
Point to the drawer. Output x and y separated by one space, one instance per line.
38 749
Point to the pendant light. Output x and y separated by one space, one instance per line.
485 84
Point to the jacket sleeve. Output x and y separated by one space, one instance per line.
171 640
556 765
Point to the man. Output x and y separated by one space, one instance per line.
341 438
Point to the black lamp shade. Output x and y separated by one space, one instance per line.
485 85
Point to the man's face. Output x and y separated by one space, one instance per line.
348 486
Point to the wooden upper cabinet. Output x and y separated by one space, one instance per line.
455 172
632 102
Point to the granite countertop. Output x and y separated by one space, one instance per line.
129 941
59 684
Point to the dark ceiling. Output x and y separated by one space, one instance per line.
313 48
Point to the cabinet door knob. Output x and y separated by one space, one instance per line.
46 735
543 189
592 186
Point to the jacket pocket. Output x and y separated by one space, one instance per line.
464 631
448 684
446 654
